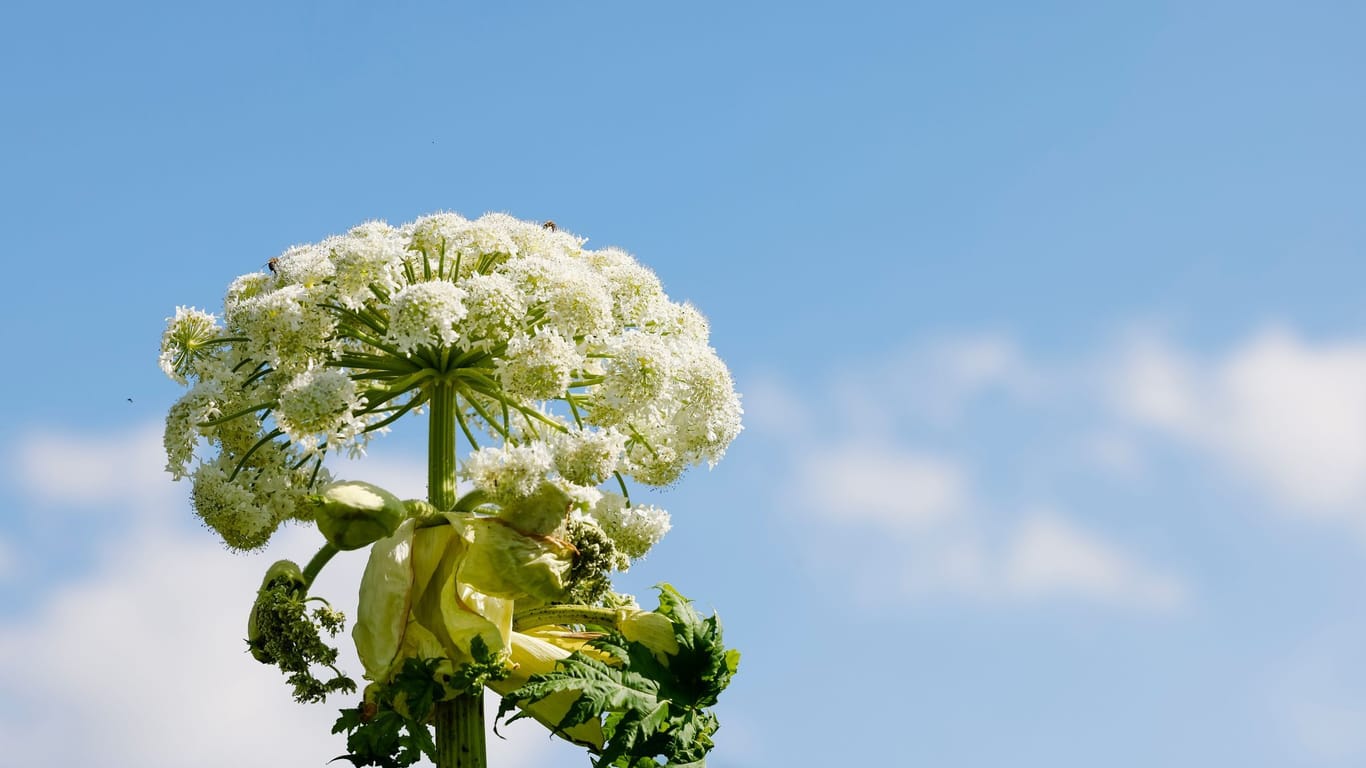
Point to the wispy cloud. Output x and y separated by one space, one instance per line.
1286 415
1049 556
882 484
60 467
869 484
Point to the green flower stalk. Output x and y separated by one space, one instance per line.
565 374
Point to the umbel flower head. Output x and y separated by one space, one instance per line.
571 364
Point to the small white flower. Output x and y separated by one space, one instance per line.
569 293
438 235
708 416
306 265
288 327
587 456
538 367
637 374
679 321
634 529
280 489
182 433
479 245
186 341
531 237
242 290
371 254
319 404
496 310
426 315
229 507
635 292
509 471
651 460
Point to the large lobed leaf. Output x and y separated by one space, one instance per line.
652 702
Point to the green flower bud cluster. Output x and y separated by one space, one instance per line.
595 558
281 631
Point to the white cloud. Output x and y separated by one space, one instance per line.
1049 555
883 505
881 484
142 663
1288 415
67 468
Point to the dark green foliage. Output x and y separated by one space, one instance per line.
390 728
487 667
650 706
595 557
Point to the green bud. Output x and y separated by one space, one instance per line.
354 514
284 573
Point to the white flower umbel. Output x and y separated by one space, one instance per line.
587 456
231 508
320 404
287 326
306 265
369 256
574 361
538 367
183 429
510 471
638 369
426 314
634 529
187 339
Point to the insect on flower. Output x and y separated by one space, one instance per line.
550 225
274 265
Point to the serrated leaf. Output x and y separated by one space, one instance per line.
648 705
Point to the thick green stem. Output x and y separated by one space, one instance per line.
460 733
441 447
459 722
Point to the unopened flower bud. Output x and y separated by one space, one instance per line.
355 514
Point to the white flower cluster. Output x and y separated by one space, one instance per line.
634 529
574 357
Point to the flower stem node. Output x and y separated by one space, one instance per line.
354 514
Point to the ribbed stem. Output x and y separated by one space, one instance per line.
564 614
460 722
441 447
460 733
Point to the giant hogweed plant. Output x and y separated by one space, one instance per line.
565 376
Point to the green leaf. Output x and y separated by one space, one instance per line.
389 729
650 704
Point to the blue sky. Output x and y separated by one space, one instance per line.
1048 321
